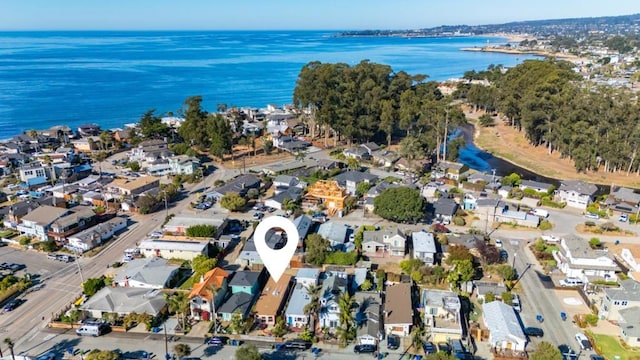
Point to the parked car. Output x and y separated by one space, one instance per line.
439 228
216 341
444 347
592 216
583 341
298 344
571 282
551 238
567 352
504 255
393 342
533 331
364 349
623 218
16 267
429 347
498 243
258 215
52 256
517 306
12 305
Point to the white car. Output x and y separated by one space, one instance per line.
517 306
583 341
498 243
592 216
623 218
550 238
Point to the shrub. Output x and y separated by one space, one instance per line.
459 221
589 224
592 319
545 225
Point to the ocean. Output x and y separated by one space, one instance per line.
112 78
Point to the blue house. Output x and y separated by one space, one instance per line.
247 282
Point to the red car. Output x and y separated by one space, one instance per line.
439 228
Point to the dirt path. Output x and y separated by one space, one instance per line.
505 142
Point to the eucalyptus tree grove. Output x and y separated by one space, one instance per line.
597 127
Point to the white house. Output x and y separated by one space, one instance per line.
631 255
38 222
576 259
382 243
424 247
307 277
153 273
184 250
398 310
617 299
332 288
96 235
505 331
577 194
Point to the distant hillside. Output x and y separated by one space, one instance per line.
611 25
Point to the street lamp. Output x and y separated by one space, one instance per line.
513 264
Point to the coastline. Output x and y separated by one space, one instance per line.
503 50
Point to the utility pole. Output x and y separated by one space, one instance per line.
166 343
166 205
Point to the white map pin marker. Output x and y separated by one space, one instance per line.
276 261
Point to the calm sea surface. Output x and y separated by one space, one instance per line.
111 78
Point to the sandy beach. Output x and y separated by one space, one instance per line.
504 50
511 37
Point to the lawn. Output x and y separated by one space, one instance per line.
609 347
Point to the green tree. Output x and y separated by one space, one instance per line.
486 120
233 201
313 306
507 297
461 272
248 352
401 204
506 272
194 128
546 351
201 264
96 354
134 166
512 179
267 146
93 285
417 337
366 285
99 157
253 193
205 231
489 297
362 188
316 249
237 323
178 304
440 355
150 126
281 328
182 350
221 136
458 253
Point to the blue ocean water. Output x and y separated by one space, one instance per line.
112 78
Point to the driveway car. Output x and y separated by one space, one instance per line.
258 215
429 348
364 349
393 342
533 331
623 218
583 341
498 243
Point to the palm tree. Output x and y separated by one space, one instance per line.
99 156
182 350
417 334
312 308
10 344
106 138
178 303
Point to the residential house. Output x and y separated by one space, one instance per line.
382 243
385 158
284 182
149 151
289 143
371 147
631 256
134 187
179 249
307 277
277 200
89 130
38 222
271 301
122 136
244 289
335 233
303 224
398 310
504 214
249 254
624 200
537 186
424 247
295 316
629 330
96 235
351 179
357 152
368 317
239 185
79 218
577 259
87 144
470 241
123 301
184 165
151 273
35 173
442 316
445 208
505 330
452 170
332 288
325 192
484 287
577 194
478 177
202 303
617 299
179 224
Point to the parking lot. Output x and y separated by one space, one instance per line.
36 263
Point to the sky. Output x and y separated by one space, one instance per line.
290 14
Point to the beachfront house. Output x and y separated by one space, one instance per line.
38 222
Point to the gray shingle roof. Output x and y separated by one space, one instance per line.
631 319
237 302
629 290
354 176
502 322
124 300
445 206
423 242
299 298
334 232
579 187
244 278
153 271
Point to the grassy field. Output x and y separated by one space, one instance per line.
609 347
